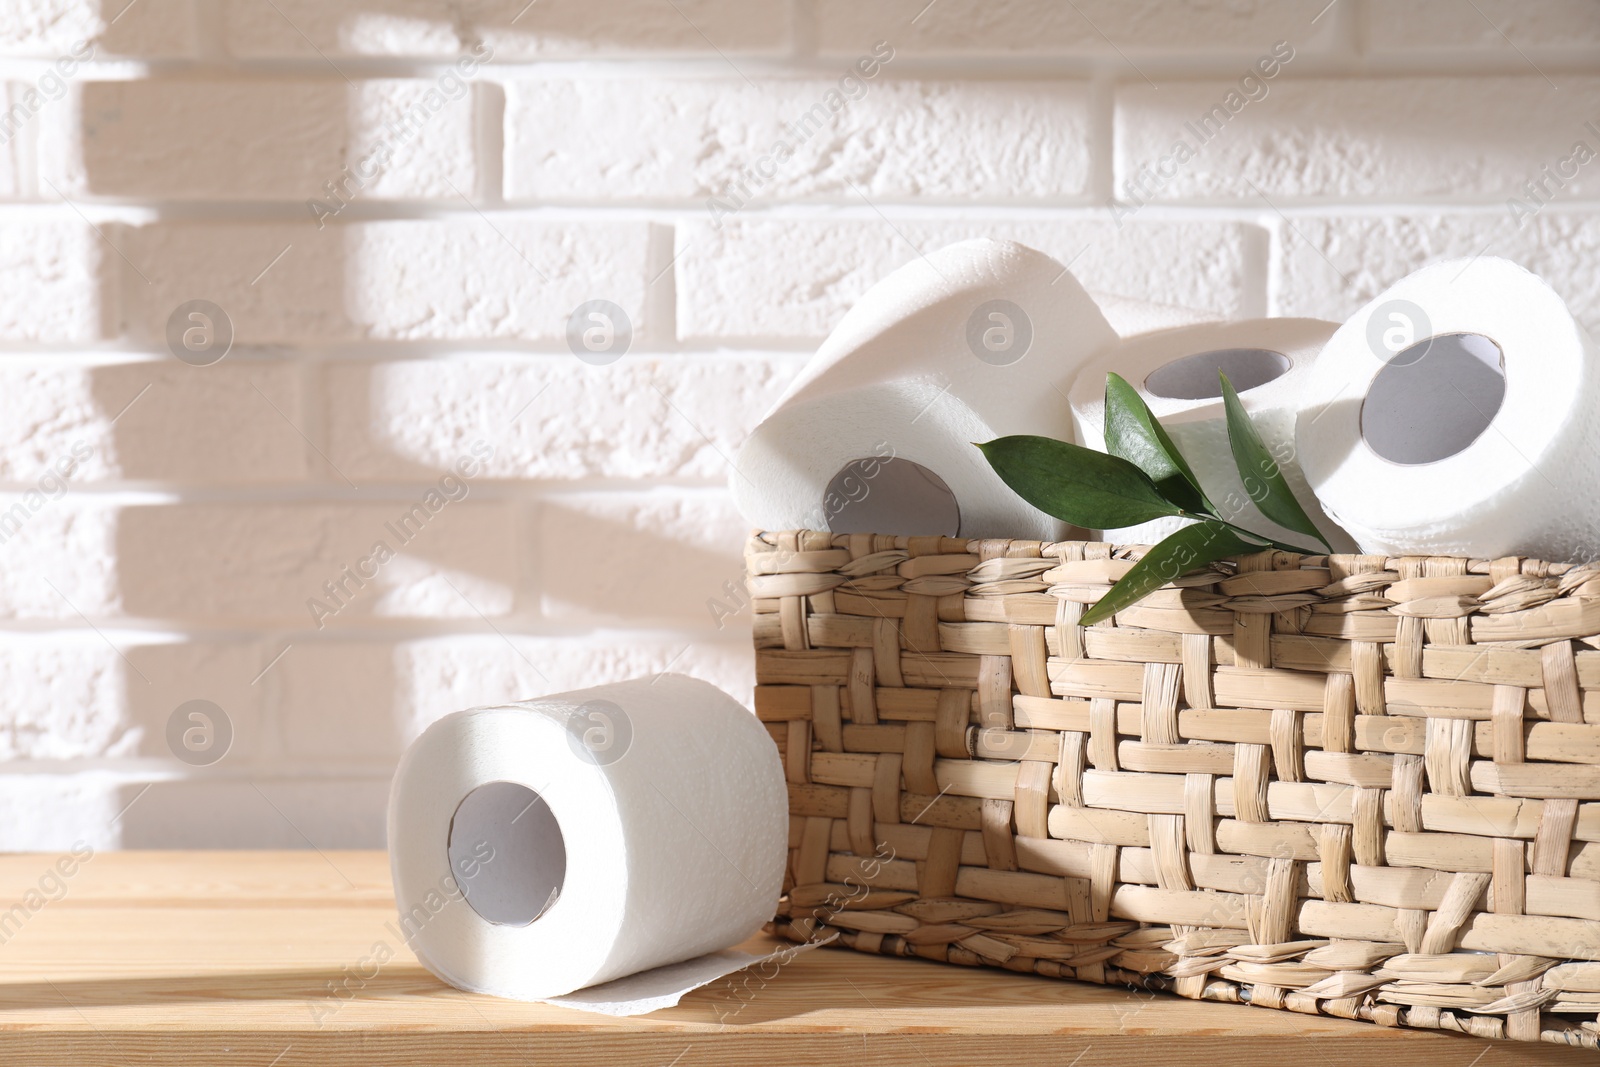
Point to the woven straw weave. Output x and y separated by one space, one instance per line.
1356 785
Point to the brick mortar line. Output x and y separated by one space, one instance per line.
1084 208
146 770
1275 265
1451 61
406 632
373 491
312 352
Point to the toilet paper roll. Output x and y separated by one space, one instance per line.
1130 316
972 342
561 843
1455 415
1176 372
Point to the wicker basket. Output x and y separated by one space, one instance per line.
1354 785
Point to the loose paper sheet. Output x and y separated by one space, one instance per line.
663 987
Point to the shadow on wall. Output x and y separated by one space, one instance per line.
594 573
287 471
287 496
428 28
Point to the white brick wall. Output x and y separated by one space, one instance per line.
257 139
466 277
398 204
905 141
1343 141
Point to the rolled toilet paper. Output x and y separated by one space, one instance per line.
973 342
1176 372
1456 414
616 840
1131 316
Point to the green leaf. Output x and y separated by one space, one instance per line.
1188 549
1259 472
1133 433
1268 542
1075 484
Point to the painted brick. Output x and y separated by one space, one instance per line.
550 418
223 562
59 282
60 557
65 698
1493 25
1379 139
1086 27
793 280
114 27
87 695
318 813
364 699
464 278
840 139
49 812
228 673
1333 265
640 559
150 420
303 28
264 140
226 562
23 103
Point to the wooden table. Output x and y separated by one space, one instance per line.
269 959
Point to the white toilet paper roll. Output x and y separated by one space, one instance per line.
972 342
554 844
1130 316
1455 414
1176 372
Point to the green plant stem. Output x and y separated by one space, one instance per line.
1251 535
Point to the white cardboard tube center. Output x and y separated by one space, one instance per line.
507 853
890 496
1196 377
1434 399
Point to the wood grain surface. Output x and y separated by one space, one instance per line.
269 959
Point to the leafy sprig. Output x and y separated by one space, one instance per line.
1142 476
